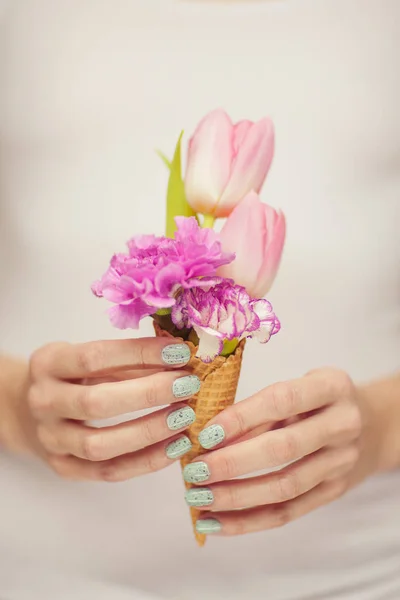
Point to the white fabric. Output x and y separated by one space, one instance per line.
88 90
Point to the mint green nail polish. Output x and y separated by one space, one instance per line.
176 354
183 417
207 526
211 436
187 386
178 447
196 472
199 497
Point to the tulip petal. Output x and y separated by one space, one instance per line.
243 233
250 166
209 161
276 233
240 131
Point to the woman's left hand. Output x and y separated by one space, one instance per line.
315 425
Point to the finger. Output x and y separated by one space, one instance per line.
269 517
121 376
76 361
99 444
277 402
123 467
281 446
256 432
106 400
281 486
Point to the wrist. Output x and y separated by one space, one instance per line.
15 419
380 406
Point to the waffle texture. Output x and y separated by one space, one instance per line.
218 391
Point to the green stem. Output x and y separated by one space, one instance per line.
163 311
230 347
208 221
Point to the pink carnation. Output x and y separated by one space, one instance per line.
148 277
222 312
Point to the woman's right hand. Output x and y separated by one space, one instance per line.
70 385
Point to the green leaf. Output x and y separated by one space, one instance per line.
177 204
165 160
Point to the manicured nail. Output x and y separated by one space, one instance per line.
196 472
208 526
178 447
183 417
176 354
211 436
187 386
199 497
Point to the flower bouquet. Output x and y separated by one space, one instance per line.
205 287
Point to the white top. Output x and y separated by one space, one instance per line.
88 90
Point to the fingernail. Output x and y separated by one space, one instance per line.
196 472
176 354
211 436
178 447
183 417
187 386
208 526
199 497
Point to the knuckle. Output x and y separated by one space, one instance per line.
151 395
345 423
152 462
284 398
36 399
352 455
230 497
147 435
39 361
47 439
238 526
111 472
283 448
140 358
337 488
336 384
90 357
282 515
88 404
346 384
240 425
58 466
226 466
342 383
354 420
93 447
287 486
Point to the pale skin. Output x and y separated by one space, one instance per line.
333 433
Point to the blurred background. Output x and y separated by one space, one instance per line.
89 90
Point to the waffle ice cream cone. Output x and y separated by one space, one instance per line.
218 390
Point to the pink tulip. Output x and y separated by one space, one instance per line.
256 233
226 161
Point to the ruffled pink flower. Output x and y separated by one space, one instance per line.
223 312
146 279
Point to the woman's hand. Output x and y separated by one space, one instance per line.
72 384
316 426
